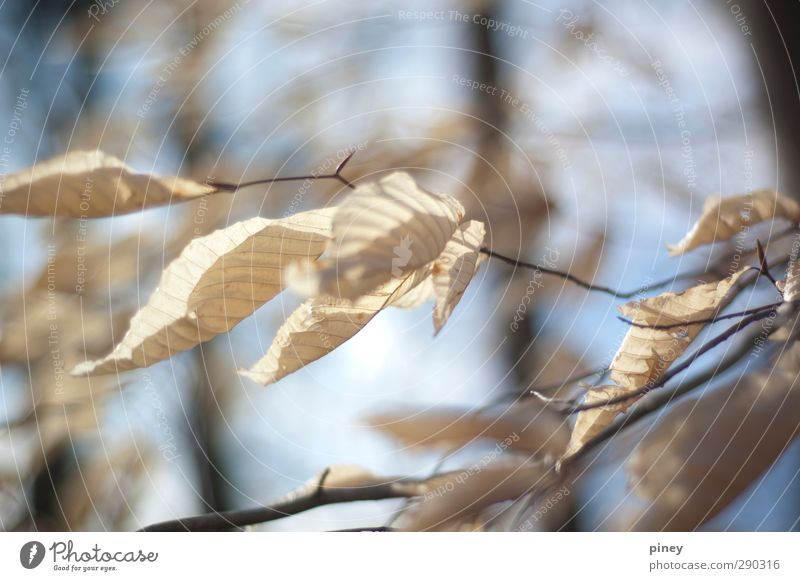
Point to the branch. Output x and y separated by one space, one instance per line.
336 175
641 290
707 346
306 498
367 530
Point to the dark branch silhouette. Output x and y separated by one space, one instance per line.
336 175
306 498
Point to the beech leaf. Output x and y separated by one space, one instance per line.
454 268
461 495
646 353
91 184
381 231
217 281
323 323
724 218
705 452
521 427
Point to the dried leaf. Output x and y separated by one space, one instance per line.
454 268
788 313
591 422
100 268
321 324
381 231
463 494
417 296
217 281
40 323
646 353
705 452
791 286
724 218
521 427
91 184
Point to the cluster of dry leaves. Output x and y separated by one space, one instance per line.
391 243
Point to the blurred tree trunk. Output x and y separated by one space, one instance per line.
777 70
777 58
493 157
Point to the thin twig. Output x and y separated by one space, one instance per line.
707 346
539 389
764 266
701 321
367 530
617 293
336 175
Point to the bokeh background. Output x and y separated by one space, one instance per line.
584 133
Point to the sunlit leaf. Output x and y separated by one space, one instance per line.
217 281
91 184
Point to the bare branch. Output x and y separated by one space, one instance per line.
305 498
626 294
367 530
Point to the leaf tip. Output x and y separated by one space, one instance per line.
258 377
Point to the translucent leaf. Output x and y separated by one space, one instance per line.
705 452
522 427
91 184
381 231
646 353
454 268
460 495
323 323
724 218
217 281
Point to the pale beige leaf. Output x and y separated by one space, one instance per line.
54 325
525 427
104 269
323 323
591 422
91 184
791 286
417 296
381 231
705 452
217 281
645 354
724 218
788 319
454 268
459 495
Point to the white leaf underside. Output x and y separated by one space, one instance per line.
323 323
217 281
